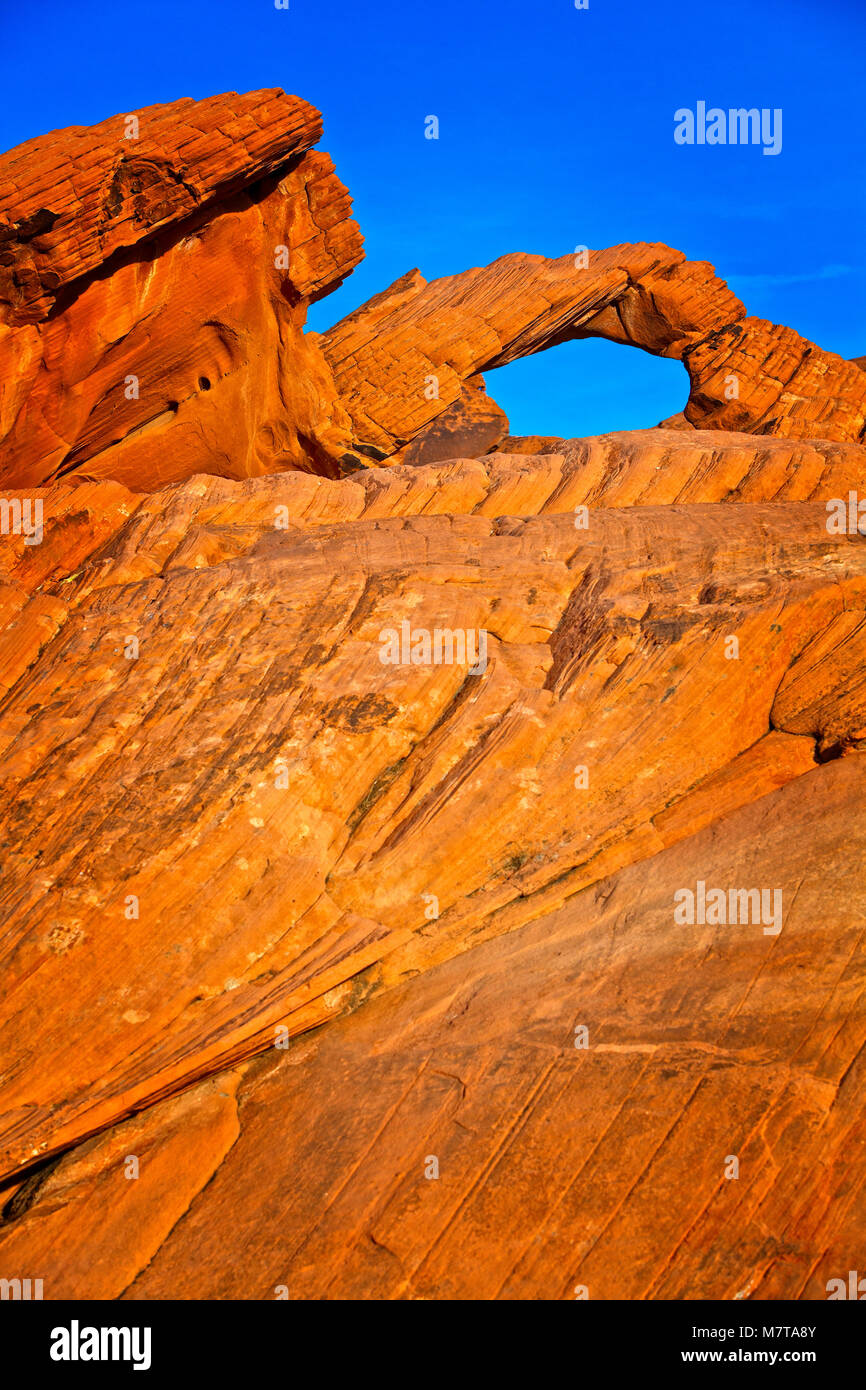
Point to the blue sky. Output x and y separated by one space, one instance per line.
556 130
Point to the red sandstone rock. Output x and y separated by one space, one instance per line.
228 822
745 374
137 781
472 425
71 199
557 1166
177 271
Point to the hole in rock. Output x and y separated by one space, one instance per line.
203 383
586 387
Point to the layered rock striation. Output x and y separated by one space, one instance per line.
403 358
359 762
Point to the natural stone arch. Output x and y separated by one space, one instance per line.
746 374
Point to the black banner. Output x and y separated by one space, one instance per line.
239 1339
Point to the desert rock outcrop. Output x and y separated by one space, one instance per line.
355 756
403 358
257 743
153 292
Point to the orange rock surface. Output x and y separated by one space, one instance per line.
602 1166
272 866
745 373
152 306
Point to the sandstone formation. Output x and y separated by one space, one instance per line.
473 424
259 653
152 302
155 276
745 374
281 860
558 1167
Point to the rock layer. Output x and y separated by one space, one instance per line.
256 742
605 1166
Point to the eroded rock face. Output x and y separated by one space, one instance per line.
259 744
152 311
558 1165
155 276
342 807
72 198
472 425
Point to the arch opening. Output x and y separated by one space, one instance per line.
588 386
